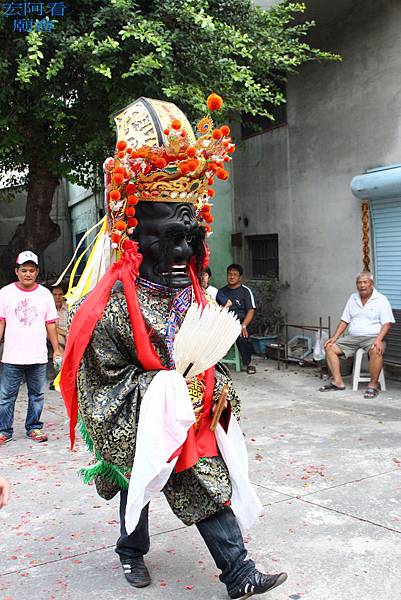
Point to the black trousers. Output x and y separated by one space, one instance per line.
245 349
220 532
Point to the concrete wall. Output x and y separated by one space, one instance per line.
220 241
343 118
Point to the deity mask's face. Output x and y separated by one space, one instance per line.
168 234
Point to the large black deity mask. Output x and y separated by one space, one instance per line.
169 234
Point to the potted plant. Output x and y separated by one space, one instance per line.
268 318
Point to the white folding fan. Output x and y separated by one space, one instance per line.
205 336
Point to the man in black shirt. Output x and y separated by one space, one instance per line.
243 305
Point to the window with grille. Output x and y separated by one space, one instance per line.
263 255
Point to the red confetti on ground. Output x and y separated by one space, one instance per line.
189 587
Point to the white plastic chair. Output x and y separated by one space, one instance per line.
358 376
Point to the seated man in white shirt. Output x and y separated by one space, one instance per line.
368 316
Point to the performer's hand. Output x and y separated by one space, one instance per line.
216 404
4 491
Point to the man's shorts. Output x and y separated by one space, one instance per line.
349 344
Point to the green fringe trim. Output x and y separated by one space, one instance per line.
85 435
107 470
112 473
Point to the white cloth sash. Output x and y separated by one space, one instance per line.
165 416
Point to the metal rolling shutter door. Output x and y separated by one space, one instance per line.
386 222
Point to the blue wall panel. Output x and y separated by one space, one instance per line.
386 223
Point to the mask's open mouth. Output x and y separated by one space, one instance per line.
177 270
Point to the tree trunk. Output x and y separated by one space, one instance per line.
38 230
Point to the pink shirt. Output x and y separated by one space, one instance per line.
26 313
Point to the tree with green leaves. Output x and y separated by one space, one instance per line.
61 86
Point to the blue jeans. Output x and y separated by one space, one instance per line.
11 379
220 532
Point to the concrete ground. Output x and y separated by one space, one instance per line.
326 467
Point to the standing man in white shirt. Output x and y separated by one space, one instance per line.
368 316
27 316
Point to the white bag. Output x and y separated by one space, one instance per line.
321 338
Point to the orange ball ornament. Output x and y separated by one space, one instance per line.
214 102
131 188
118 178
191 152
222 174
161 163
115 195
121 145
121 225
193 164
184 169
132 222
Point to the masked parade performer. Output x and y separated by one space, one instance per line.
151 426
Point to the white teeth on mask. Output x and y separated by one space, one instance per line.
177 270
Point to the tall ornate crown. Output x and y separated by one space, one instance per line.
159 159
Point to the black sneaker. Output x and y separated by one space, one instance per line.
135 571
257 583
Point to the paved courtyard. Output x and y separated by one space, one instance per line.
327 468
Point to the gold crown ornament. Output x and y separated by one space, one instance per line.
158 158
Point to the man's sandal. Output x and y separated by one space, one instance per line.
250 370
330 387
371 392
